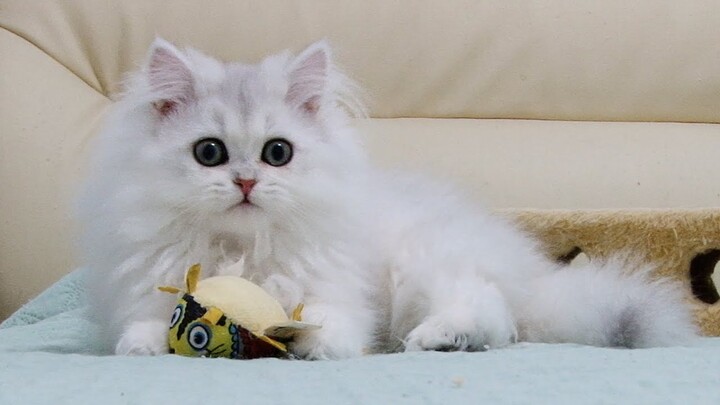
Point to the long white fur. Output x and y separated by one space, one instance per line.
384 261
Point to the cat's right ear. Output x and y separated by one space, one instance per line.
308 77
169 75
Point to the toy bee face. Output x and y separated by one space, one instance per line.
206 332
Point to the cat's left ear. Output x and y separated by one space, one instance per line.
308 76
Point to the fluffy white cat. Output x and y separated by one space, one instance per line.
222 163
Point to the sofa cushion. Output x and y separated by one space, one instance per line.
558 164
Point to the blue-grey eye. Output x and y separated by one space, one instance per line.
277 152
199 336
177 314
210 152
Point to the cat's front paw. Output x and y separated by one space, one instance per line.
317 345
145 338
341 336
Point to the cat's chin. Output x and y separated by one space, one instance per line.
244 216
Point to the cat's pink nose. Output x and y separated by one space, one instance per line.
246 185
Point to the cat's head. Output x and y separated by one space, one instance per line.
238 146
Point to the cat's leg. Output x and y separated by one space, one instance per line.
443 298
464 313
137 322
346 332
342 307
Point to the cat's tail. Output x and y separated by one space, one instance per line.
604 304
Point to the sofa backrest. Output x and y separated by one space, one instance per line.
611 60
564 62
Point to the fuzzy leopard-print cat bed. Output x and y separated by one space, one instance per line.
684 244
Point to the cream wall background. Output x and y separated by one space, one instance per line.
546 104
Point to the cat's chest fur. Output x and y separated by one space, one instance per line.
254 258
282 270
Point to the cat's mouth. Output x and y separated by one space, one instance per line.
245 204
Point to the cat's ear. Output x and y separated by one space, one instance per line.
308 75
169 75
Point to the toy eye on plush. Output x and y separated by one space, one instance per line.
230 317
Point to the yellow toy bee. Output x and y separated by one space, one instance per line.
230 317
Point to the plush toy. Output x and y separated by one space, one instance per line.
230 317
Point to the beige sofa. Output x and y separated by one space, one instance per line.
555 104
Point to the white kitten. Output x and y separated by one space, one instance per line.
218 163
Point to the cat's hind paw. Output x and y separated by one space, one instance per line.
439 334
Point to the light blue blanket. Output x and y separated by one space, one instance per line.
48 354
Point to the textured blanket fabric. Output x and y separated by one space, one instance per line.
684 243
48 354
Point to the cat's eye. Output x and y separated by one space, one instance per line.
210 152
199 337
277 152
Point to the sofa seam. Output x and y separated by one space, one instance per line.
38 47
